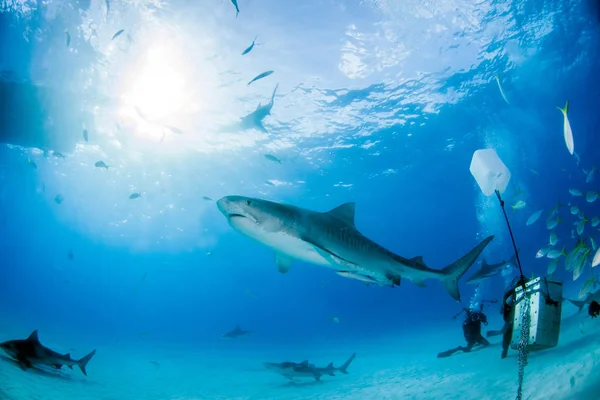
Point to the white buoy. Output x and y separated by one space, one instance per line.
489 171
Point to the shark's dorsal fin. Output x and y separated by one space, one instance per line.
283 263
418 260
330 365
484 264
304 363
34 336
345 213
68 355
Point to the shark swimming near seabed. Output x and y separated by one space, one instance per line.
304 369
489 270
29 352
331 239
237 332
589 298
254 120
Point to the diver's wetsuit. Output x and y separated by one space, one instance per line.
472 332
594 309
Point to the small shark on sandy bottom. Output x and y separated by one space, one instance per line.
582 303
255 118
304 369
237 332
30 352
489 270
330 239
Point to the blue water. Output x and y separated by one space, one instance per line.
378 103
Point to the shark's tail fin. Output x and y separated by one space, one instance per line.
457 269
577 303
83 362
344 367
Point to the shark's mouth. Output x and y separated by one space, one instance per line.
236 215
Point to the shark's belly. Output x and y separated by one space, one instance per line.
295 248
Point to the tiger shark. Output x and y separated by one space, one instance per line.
330 239
29 352
256 117
304 369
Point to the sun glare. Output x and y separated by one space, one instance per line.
157 93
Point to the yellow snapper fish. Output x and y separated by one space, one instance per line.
542 252
553 239
551 222
593 243
575 192
519 205
534 217
552 266
596 260
580 263
589 176
567 132
591 197
588 285
574 210
581 225
595 221
552 254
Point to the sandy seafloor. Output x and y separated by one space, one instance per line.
400 368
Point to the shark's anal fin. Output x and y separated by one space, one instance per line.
419 283
283 263
344 213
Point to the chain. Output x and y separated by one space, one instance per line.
523 342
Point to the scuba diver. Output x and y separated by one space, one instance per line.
508 313
471 330
594 309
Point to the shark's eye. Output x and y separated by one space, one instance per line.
248 202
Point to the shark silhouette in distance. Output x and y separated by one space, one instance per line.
304 369
236 333
254 120
30 352
330 239
490 270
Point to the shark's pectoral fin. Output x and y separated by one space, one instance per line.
58 366
24 363
260 127
395 279
283 263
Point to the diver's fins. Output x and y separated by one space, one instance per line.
448 353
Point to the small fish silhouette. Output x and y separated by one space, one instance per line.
260 76
58 199
119 33
101 164
237 8
68 39
85 135
249 48
135 196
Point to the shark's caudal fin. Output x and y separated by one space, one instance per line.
578 304
458 268
83 362
344 367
